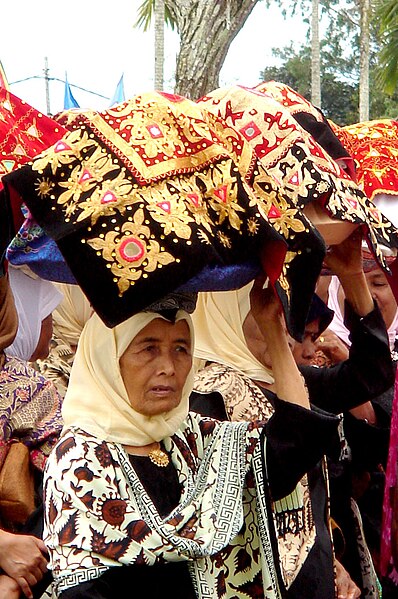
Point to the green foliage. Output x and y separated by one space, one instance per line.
339 64
387 21
339 97
145 15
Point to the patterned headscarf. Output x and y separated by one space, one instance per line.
97 401
218 321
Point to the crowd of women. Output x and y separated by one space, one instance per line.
196 375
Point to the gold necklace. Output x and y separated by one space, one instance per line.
159 457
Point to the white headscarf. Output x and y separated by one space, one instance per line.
35 299
97 401
218 321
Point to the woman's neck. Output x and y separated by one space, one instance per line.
141 450
269 386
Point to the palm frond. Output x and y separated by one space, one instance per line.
145 15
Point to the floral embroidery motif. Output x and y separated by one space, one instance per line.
63 153
298 165
129 249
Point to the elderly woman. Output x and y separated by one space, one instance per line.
141 493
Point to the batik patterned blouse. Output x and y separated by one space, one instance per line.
30 409
98 514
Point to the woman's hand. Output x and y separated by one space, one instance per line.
265 306
267 312
365 412
346 587
9 588
332 346
346 257
23 558
345 260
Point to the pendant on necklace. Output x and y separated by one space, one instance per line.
159 457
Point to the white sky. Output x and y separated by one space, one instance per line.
95 42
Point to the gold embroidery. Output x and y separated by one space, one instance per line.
224 239
168 209
43 187
64 152
284 283
203 237
252 226
131 252
113 195
152 169
222 193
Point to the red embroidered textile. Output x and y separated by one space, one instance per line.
156 190
24 132
374 148
300 166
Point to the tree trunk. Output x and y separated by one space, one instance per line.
315 56
159 43
364 6
206 30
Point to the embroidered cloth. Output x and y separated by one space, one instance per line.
24 133
153 192
374 148
293 158
311 119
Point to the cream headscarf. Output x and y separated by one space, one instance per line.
97 401
72 313
218 321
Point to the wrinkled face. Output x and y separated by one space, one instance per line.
305 351
155 366
43 345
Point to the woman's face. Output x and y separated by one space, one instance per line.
155 366
381 292
304 352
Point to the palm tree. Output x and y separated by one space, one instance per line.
159 14
206 30
315 56
364 38
387 17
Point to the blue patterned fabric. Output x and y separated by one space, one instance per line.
32 247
